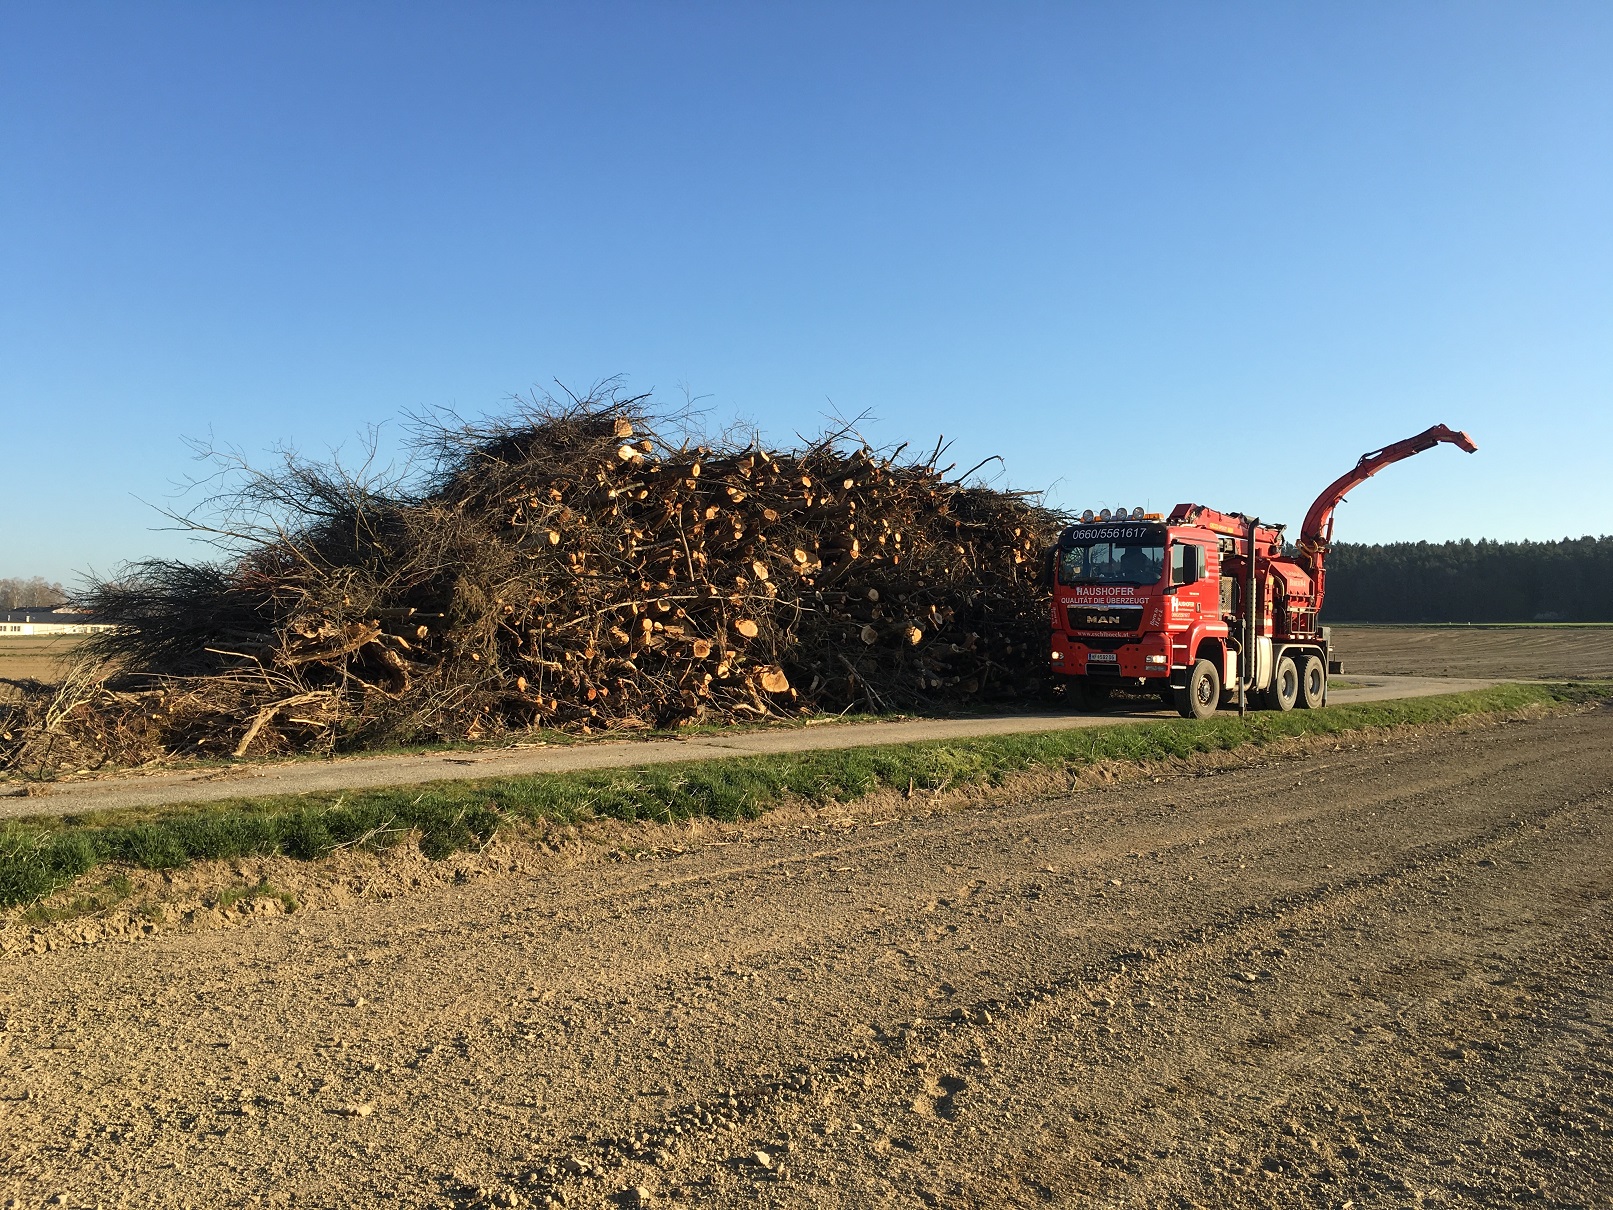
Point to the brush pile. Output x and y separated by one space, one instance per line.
565 569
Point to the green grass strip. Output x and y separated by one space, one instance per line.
40 854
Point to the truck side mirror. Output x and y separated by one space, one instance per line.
1187 564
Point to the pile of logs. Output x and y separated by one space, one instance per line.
577 571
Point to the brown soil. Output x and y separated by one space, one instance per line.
1376 974
38 659
1555 653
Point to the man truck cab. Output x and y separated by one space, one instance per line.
1202 607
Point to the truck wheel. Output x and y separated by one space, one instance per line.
1312 683
1284 690
1203 692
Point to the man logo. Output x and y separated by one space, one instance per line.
1087 617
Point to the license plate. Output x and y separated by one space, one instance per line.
1102 657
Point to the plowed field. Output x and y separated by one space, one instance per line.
1548 653
1379 976
39 659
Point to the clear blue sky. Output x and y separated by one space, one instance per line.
1145 252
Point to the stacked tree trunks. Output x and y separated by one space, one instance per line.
573 570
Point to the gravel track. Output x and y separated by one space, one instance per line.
1377 975
213 784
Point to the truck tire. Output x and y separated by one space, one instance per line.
1284 689
1312 683
1202 694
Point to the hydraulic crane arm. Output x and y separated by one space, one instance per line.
1317 533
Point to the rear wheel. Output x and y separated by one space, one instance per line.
1202 694
1284 691
1312 683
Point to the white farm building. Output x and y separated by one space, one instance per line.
19 623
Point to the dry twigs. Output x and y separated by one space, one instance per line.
571 568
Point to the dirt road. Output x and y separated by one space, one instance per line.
1376 976
1549 653
213 784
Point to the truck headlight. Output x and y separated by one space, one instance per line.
1153 659
1058 655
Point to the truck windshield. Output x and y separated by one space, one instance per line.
1111 563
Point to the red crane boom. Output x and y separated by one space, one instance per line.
1317 532
1316 535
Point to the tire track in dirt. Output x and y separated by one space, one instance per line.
603 1012
1253 781
779 1102
776 1106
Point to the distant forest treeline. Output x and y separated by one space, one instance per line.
1483 581
16 593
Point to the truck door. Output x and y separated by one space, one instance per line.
1197 593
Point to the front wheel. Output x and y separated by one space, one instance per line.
1202 694
1312 683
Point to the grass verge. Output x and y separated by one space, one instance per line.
536 738
41 854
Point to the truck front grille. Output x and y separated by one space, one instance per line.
1093 617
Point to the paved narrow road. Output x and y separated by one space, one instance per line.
1378 976
353 773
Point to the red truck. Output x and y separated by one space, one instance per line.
1203 607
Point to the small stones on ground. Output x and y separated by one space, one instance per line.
762 1159
359 1110
501 1196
